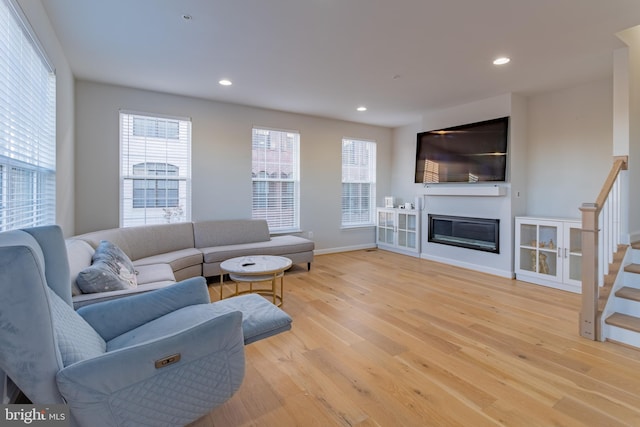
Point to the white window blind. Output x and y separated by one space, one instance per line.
155 169
276 178
358 182
27 125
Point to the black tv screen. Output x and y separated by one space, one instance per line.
475 152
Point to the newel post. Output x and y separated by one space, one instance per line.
589 311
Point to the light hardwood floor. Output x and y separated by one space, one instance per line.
381 339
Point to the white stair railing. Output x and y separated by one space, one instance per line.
600 240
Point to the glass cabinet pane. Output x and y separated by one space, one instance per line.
411 240
528 259
402 221
528 235
575 240
548 237
412 222
575 267
547 262
402 238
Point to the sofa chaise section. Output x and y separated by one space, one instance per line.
225 239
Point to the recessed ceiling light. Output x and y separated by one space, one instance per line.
362 108
225 82
501 61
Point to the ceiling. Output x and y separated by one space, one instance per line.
398 58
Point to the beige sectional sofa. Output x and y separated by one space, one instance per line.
165 254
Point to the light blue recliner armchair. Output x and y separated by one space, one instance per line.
161 358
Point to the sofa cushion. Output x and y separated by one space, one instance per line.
146 241
111 253
178 260
280 245
80 254
153 273
111 269
230 232
101 277
86 299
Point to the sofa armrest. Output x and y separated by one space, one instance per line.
115 317
126 386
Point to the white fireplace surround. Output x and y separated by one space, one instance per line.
470 200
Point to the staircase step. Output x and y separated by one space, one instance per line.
632 268
628 293
625 321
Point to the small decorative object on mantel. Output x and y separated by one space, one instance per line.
388 202
542 244
534 243
551 244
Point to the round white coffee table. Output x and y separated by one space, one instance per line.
257 268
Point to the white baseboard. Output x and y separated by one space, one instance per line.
467 265
343 249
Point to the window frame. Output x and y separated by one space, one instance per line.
27 125
275 171
358 172
159 158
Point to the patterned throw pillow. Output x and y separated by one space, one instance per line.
110 270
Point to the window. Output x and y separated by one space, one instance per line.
27 125
358 182
155 169
156 193
153 128
276 178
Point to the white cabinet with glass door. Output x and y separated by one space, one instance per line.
548 252
398 230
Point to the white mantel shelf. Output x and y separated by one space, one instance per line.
465 190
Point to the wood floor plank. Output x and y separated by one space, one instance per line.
382 339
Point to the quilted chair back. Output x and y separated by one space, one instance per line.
34 284
40 333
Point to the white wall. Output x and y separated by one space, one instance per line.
221 160
403 167
621 134
65 138
632 38
621 102
570 148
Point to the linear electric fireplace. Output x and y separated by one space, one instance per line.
473 233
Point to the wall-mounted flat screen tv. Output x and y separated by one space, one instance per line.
475 152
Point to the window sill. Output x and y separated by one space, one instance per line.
357 227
